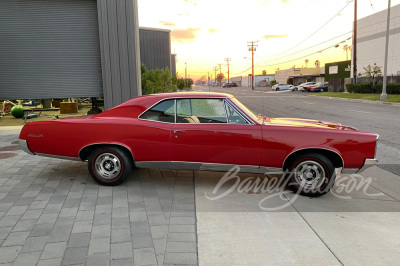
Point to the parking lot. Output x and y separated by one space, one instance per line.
53 213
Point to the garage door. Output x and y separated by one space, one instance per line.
49 49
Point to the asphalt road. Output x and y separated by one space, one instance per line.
381 119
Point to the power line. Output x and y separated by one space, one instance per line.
316 30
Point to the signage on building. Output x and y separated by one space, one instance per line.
333 69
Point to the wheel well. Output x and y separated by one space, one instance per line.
85 152
331 155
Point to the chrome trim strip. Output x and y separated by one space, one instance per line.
376 145
23 144
59 157
312 148
156 164
367 164
207 167
107 143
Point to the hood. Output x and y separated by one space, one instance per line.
297 122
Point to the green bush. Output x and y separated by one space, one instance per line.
350 87
392 88
273 82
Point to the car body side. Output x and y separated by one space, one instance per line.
261 144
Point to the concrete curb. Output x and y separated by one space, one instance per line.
355 100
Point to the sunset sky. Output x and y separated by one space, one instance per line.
205 32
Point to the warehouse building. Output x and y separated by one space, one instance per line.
76 49
371 41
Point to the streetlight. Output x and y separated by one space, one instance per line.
384 94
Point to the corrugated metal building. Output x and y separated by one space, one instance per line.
69 48
155 49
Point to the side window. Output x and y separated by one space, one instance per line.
200 111
233 116
162 112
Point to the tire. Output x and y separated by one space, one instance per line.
295 89
277 89
109 166
311 175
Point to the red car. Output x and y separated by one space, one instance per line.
203 131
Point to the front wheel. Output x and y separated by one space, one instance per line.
311 175
277 89
109 166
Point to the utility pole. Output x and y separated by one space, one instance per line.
252 48
220 71
384 94
186 74
355 44
227 63
215 73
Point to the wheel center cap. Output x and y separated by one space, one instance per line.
108 165
309 175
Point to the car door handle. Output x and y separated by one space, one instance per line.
176 131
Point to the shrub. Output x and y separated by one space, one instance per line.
350 87
273 82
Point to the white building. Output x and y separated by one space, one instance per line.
371 40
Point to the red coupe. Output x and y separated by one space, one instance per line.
203 131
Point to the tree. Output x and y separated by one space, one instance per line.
347 48
220 77
157 81
371 74
317 63
306 62
264 72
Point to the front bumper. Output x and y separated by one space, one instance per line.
24 146
367 164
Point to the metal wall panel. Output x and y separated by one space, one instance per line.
49 49
120 50
155 48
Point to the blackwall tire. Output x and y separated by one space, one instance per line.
311 175
109 166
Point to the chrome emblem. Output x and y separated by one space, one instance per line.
35 136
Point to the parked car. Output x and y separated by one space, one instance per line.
203 131
281 87
320 86
228 85
306 84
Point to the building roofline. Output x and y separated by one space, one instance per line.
155 29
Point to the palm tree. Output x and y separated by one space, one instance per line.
317 63
347 48
306 62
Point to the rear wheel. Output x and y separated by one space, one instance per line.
311 175
109 166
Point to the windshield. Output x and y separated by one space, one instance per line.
245 109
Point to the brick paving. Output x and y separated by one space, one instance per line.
53 213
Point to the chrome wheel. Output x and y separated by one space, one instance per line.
107 165
309 175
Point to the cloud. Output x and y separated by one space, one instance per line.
212 30
285 1
167 23
183 15
184 35
275 36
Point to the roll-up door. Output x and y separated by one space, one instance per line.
49 49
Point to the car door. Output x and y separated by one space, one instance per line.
151 139
205 136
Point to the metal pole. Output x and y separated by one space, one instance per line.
384 94
355 44
252 66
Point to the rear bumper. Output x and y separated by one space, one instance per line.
24 146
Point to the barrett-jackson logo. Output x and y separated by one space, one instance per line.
35 136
